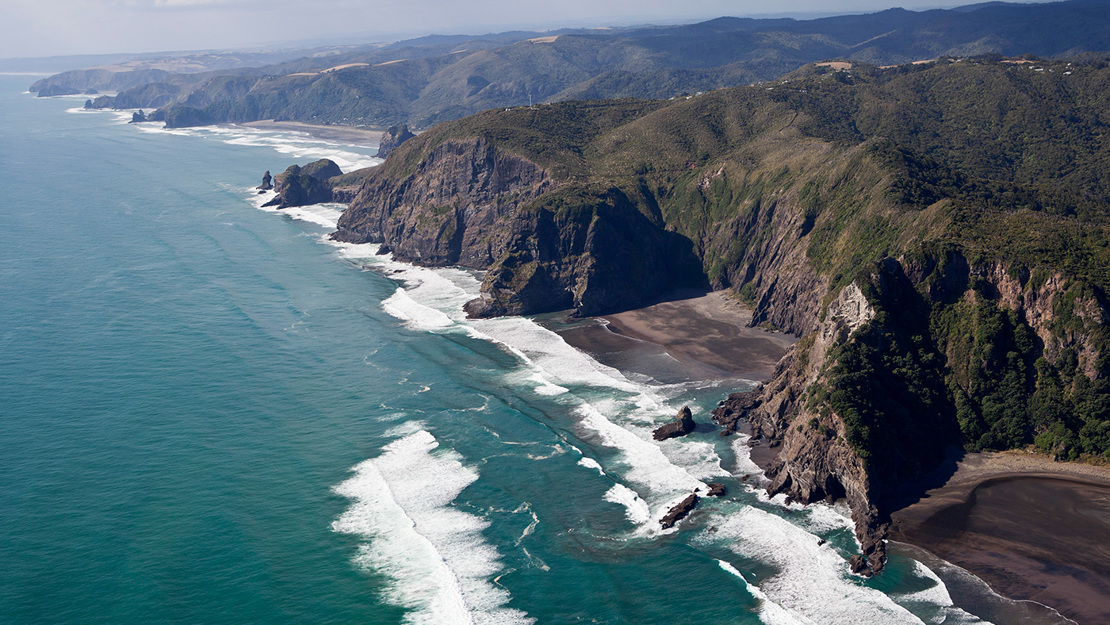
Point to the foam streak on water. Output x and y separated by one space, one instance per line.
434 554
813 580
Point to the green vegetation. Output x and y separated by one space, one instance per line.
977 175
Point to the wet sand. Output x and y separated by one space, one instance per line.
368 137
1032 528
705 334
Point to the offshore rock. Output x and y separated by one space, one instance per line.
267 182
393 138
136 118
301 186
716 490
679 511
681 426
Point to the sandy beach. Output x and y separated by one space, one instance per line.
1033 529
344 134
706 335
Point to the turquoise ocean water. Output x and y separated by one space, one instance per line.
211 414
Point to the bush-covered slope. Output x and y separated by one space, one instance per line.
938 234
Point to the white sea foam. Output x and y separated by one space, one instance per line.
293 145
743 453
770 612
636 509
935 598
812 579
435 555
420 317
590 463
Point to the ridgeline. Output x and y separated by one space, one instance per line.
425 81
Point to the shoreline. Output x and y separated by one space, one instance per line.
364 137
1031 528
1031 531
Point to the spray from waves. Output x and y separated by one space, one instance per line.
770 612
812 579
636 509
439 564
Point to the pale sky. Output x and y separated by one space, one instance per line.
33 28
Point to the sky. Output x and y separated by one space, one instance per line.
35 28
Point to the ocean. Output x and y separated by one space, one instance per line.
209 413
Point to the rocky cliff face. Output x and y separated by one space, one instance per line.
468 203
914 322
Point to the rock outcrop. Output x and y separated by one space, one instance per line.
681 426
136 117
267 182
679 511
301 186
393 138
468 203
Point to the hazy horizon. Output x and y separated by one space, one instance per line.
89 27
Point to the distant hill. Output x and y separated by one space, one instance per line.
425 81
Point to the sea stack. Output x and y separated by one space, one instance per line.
267 181
681 426
393 137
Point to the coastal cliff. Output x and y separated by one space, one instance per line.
948 291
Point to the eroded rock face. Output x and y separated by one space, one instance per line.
267 182
681 426
468 203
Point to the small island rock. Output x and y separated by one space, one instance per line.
681 426
393 137
679 511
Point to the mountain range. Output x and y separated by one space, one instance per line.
424 81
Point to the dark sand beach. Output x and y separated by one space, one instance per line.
1032 528
705 335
